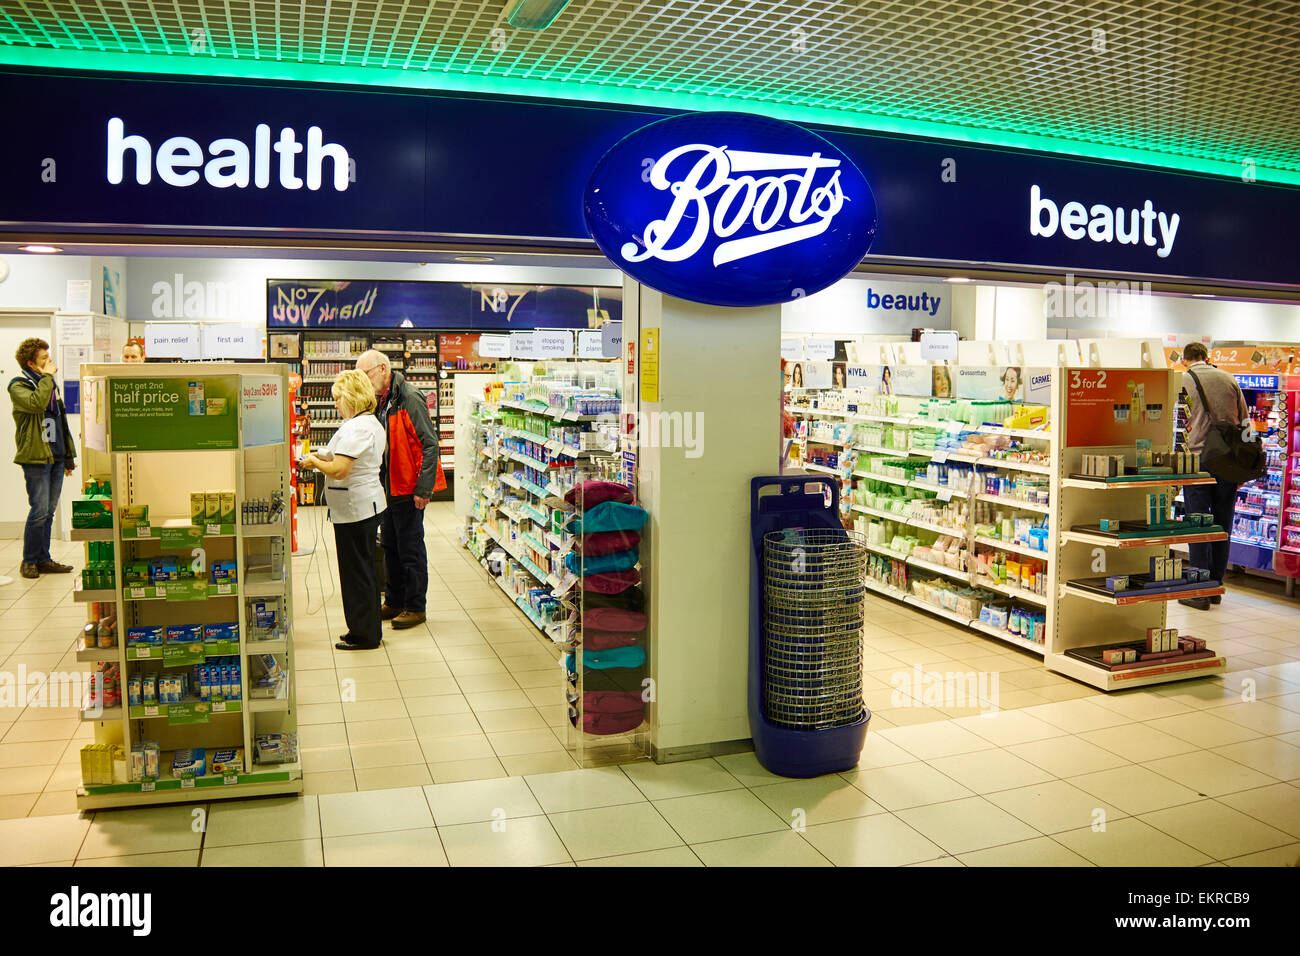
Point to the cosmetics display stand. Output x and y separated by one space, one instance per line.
228 434
1085 608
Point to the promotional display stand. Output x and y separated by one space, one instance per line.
196 687
1108 532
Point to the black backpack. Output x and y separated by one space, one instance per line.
1226 455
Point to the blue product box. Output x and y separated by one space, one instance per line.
1117 582
144 635
190 763
224 571
184 633
1109 524
221 632
163 569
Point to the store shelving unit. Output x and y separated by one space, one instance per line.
853 470
508 509
1085 618
255 465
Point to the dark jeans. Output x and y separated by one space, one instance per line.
404 555
44 485
1220 500
355 543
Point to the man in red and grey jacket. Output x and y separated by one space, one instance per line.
411 473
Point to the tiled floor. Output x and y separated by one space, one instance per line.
441 749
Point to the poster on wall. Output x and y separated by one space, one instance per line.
160 414
263 407
916 380
112 292
282 345
1256 360
1107 407
811 374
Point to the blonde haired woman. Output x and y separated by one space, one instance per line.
350 464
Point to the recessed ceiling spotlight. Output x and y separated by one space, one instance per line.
1202 295
38 248
475 259
957 279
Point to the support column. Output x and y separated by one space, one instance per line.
717 424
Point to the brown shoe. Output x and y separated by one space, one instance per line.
387 612
408 619
28 570
53 567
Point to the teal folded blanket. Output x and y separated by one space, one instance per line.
618 561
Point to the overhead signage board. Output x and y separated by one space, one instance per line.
203 158
172 340
231 342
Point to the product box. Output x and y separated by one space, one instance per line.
211 507
184 633
92 512
223 571
144 636
1117 582
227 510
228 761
149 688
1109 524
198 507
1113 655
190 763
221 632
163 569
215 406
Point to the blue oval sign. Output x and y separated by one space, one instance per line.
730 209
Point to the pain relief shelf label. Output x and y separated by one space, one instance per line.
650 365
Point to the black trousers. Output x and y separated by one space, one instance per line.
355 543
1220 500
405 557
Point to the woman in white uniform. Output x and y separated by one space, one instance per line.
350 463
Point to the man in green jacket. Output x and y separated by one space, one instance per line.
45 451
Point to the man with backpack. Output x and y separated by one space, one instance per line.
1207 386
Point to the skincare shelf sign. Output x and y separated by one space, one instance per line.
173 414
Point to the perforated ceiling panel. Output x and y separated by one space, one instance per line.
1209 86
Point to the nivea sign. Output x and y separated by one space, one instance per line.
730 209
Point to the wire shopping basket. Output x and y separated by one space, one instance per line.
813 612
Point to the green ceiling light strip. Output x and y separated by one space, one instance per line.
595 93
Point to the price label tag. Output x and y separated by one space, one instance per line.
187 783
160 590
143 653
223 589
147 786
229 779
150 710
218 706
143 531
940 456
945 494
137 593
213 529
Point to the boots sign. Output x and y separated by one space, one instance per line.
730 209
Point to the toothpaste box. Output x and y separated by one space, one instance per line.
184 633
228 761
144 635
192 762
